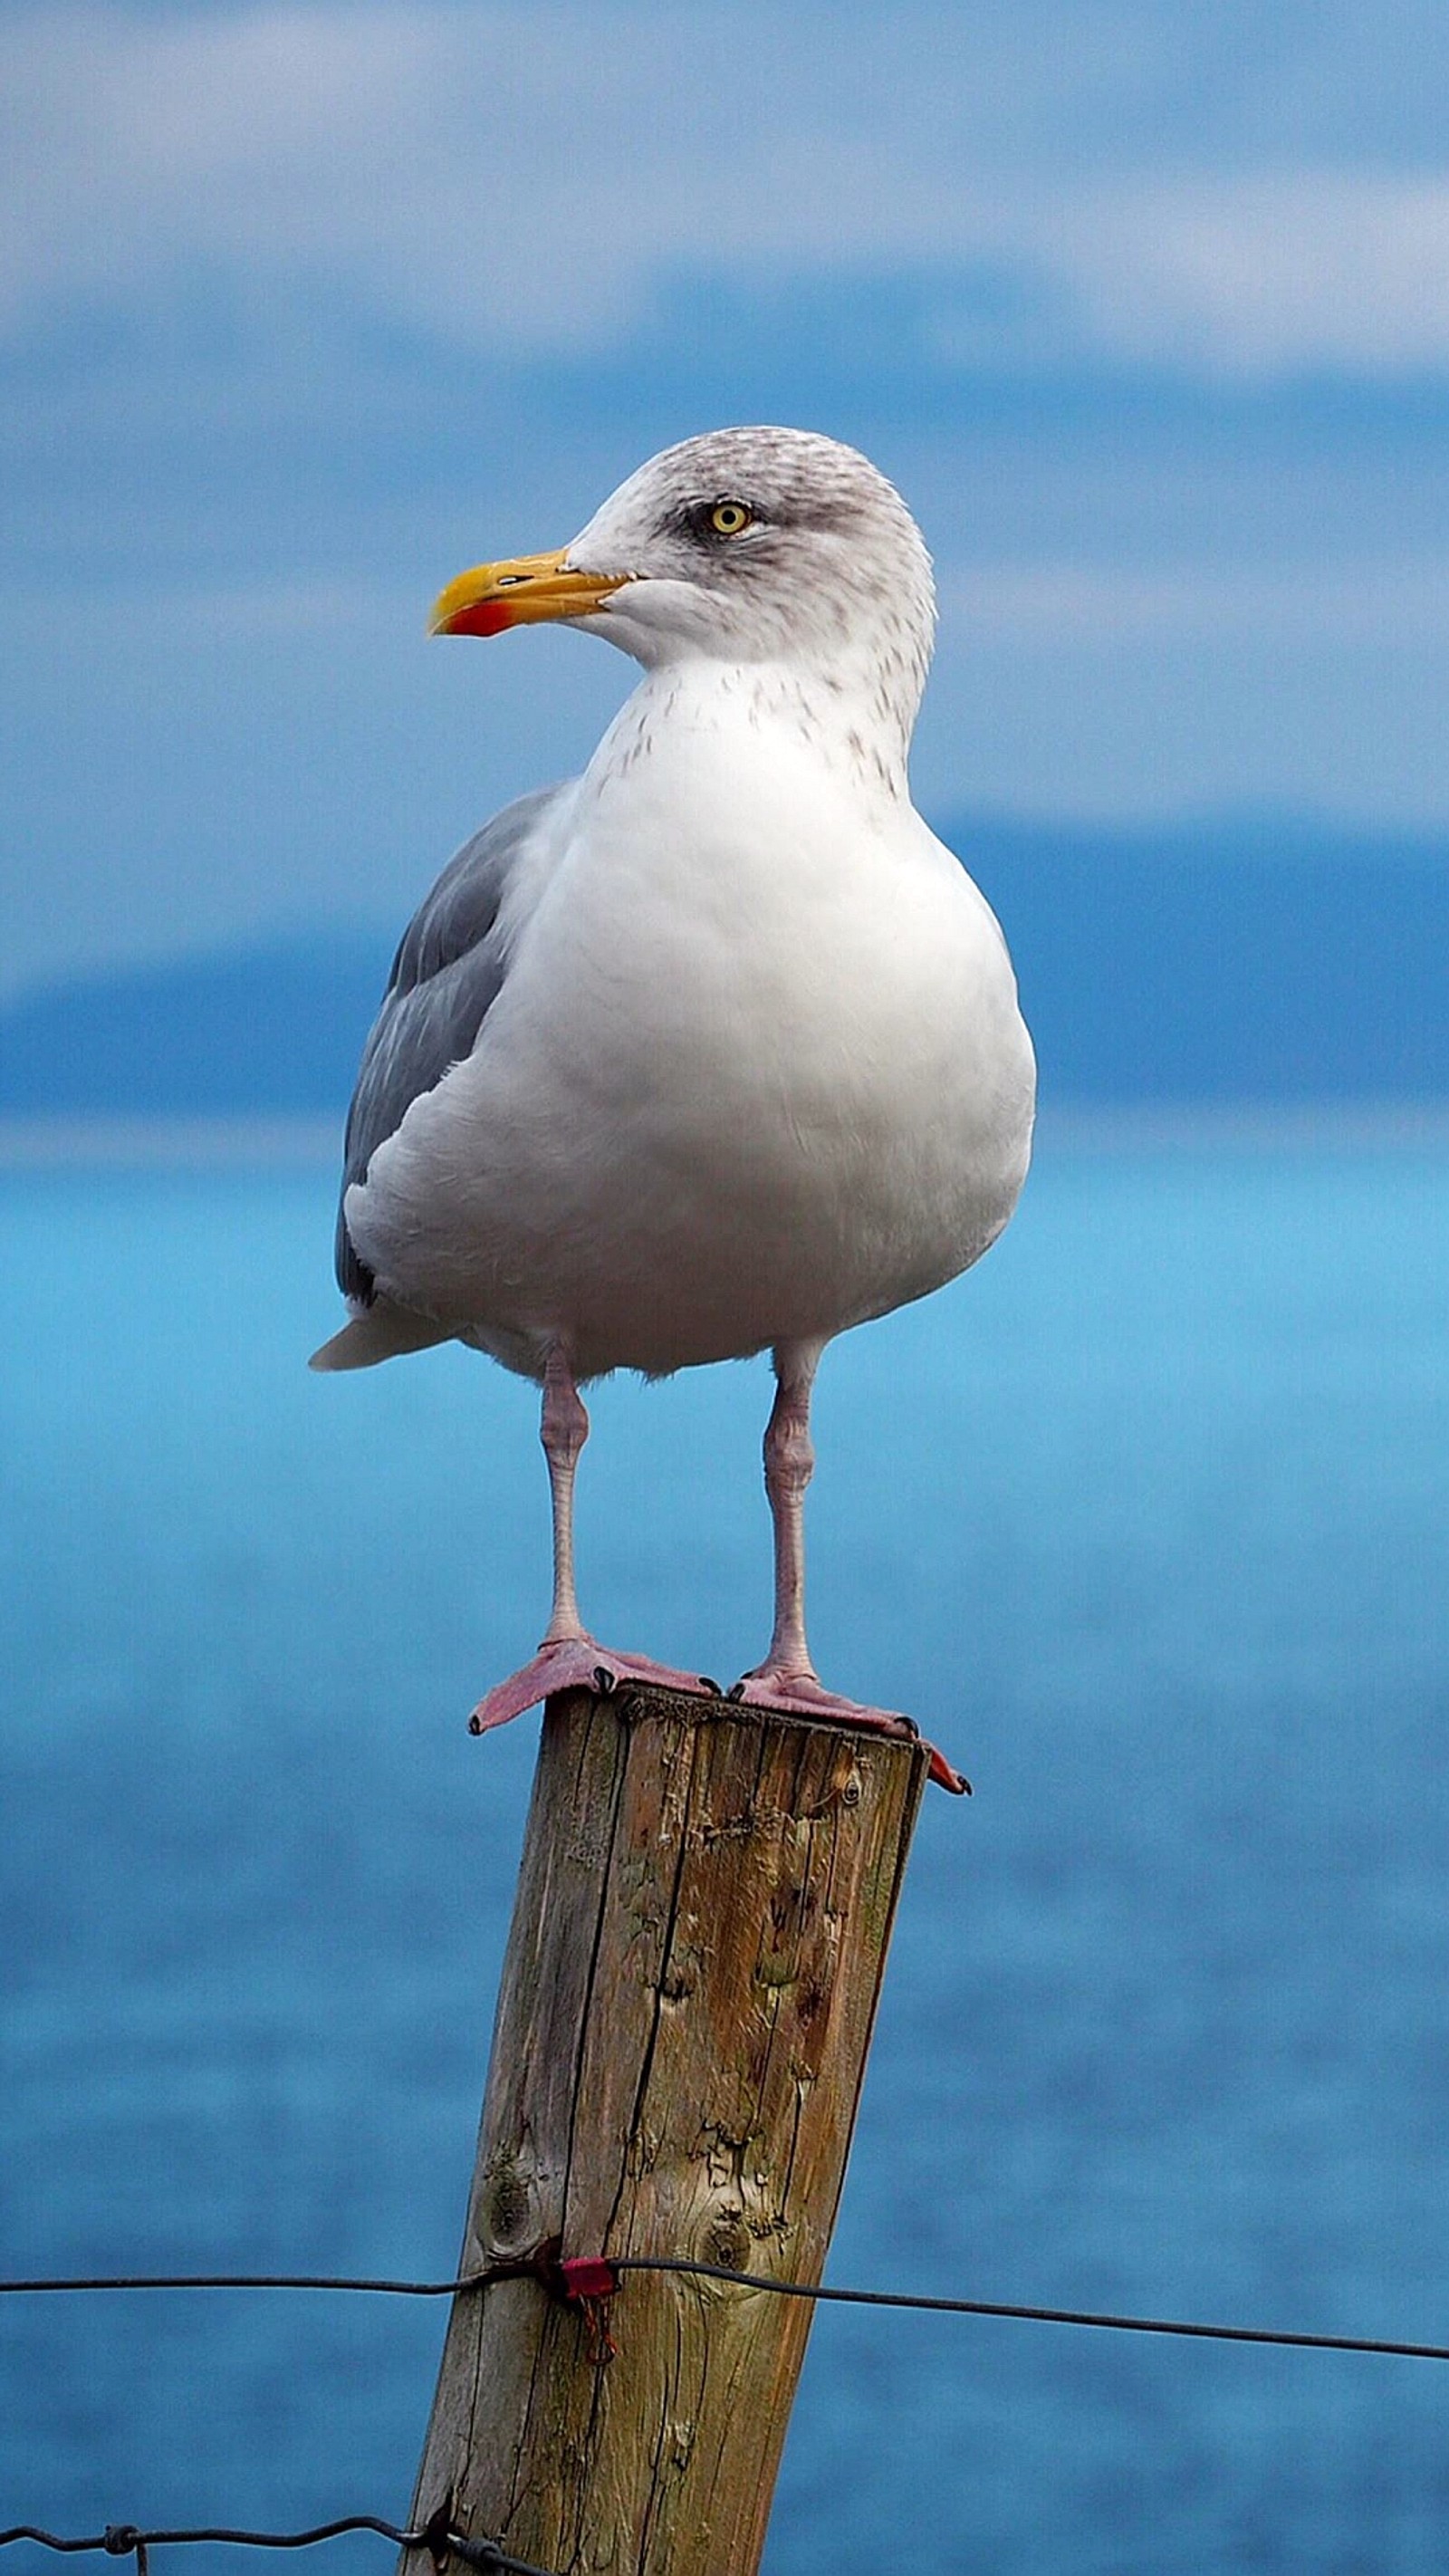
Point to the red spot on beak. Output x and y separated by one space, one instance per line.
488 617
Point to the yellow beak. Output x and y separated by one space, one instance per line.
521 593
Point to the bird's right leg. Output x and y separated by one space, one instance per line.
568 1658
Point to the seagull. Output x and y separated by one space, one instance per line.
715 1049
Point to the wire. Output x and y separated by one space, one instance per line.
624 2263
1042 2316
261 2281
123 2540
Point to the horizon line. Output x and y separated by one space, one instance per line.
61 1142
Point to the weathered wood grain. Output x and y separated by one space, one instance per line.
698 1942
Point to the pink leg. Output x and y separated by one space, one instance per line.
789 1466
568 1658
563 1431
787 1678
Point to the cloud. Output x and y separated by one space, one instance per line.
1291 271
1376 602
531 177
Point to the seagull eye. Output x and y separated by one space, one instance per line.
731 518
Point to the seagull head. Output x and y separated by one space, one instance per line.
745 545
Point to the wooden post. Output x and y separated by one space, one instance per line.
697 1949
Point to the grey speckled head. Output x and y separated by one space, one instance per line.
766 545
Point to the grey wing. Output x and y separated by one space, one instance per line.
448 970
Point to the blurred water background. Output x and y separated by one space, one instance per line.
1145 1520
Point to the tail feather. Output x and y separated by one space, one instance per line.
382 1331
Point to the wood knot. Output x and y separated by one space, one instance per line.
727 2241
505 2211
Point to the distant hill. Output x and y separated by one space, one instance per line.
264 1031
1206 965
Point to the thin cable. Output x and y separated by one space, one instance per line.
263 2281
750 2281
123 2540
1041 2316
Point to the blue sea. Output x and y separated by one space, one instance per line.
1146 1521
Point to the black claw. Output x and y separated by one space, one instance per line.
716 1689
736 1691
605 1681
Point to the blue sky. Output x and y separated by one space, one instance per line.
305 305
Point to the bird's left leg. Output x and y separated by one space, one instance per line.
568 1658
787 1678
789 1466
563 1431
